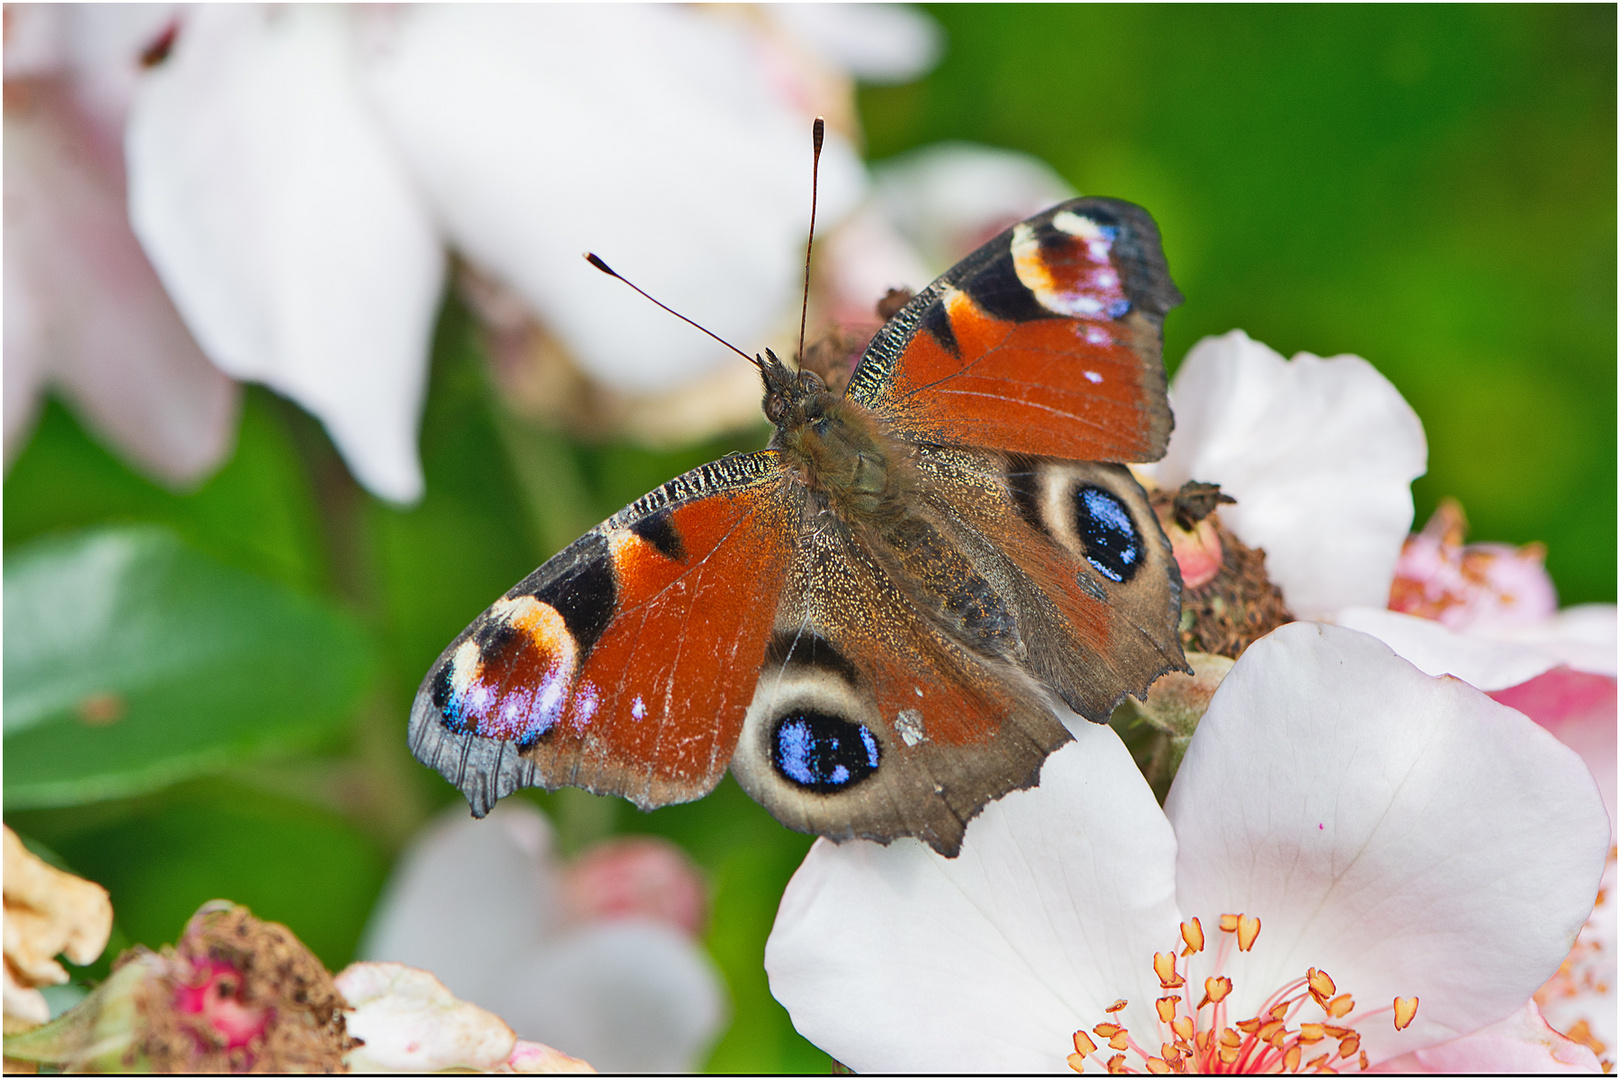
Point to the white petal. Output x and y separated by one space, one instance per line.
409 1022
627 996
896 959
424 917
950 197
649 135
104 45
1320 455
1405 834
84 310
1478 658
35 40
285 230
877 43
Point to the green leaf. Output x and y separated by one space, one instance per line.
133 661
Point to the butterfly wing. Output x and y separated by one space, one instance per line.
873 719
1046 341
625 664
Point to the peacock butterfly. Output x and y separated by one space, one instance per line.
868 619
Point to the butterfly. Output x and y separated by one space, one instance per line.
870 620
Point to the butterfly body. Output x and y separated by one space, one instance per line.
871 619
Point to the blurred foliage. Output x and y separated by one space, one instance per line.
1432 188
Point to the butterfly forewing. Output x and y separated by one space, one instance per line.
1045 341
624 664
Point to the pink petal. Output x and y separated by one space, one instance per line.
84 310
1578 707
638 877
1521 1043
285 228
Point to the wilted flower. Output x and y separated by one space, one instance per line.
1354 859
47 913
232 995
597 958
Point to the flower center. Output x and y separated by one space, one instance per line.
1194 1033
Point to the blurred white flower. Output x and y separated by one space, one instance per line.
84 313
1319 454
295 171
597 960
1347 841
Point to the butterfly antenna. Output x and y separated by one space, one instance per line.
594 260
818 131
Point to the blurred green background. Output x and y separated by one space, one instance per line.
1432 188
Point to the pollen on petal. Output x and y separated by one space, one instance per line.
1248 928
1193 934
1164 966
1405 1009
1116 1006
1083 1044
1342 1005
1167 1008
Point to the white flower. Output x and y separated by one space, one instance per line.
1320 455
1403 834
295 172
485 906
84 313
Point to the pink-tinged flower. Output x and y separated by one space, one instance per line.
1319 454
295 173
1473 585
86 316
597 958
409 1022
1354 858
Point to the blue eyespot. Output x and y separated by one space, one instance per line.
1109 536
823 753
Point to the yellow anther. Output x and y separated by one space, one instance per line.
1203 1040
1116 1064
1317 1062
1107 1030
1321 985
1249 1026
1248 928
1116 1006
1157 1067
1278 1012
1164 966
1231 1038
1349 1045
1216 987
1170 1052
1077 1062
1405 1009
1269 1030
1291 1059
1364 1061
1193 934
1083 1044
1121 1040
1310 1033
1228 1054
1229 923
1183 1027
1167 1008
1342 1005
1335 1031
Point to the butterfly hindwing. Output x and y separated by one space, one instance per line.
873 719
624 665
1046 341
